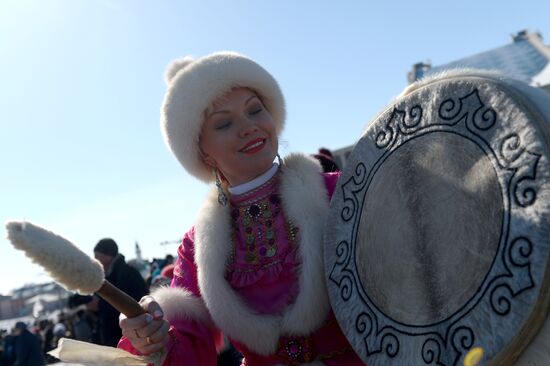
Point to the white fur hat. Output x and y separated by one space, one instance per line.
193 85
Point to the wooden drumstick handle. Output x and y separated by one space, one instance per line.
120 300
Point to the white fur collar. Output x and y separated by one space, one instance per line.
305 203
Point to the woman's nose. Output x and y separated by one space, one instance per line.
248 126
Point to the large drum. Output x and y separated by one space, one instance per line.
439 230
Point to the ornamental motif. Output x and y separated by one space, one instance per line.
510 276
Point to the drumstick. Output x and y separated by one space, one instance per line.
68 265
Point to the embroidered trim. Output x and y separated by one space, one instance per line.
258 216
295 350
305 202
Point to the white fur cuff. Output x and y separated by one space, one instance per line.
179 304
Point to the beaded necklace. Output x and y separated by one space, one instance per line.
257 213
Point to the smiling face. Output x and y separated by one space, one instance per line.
238 136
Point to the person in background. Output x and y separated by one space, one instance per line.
168 260
168 271
60 330
92 312
158 265
28 351
81 327
84 322
8 349
326 159
48 339
123 276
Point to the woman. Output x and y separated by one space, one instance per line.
251 267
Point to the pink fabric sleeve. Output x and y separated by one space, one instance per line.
185 271
331 179
191 342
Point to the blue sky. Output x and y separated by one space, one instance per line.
81 84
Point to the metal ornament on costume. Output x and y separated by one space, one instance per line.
438 234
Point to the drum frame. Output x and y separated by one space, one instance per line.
463 108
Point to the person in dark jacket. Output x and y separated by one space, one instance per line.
8 355
126 278
28 350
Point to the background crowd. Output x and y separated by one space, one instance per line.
92 319
85 318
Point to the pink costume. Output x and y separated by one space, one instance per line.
253 270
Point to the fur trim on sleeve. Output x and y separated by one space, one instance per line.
180 304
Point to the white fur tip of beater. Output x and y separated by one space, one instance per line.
65 262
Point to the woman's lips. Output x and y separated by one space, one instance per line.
253 146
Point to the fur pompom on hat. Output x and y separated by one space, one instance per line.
193 85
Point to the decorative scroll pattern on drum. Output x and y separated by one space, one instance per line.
351 189
519 267
510 275
469 108
462 340
399 123
524 166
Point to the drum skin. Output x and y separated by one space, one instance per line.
438 236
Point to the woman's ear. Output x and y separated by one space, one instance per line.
208 160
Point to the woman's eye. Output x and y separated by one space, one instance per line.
256 111
223 125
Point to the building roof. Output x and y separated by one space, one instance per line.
44 298
527 59
34 289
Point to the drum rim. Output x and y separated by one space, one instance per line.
537 313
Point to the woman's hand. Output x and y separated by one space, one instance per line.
147 332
